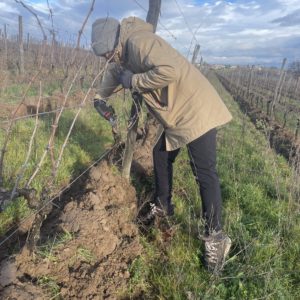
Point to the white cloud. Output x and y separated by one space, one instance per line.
6 8
228 31
252 32
242 25
41 8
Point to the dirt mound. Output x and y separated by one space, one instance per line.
88 242
142 164
48 104
93 240
6 110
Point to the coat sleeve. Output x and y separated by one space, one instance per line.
161 68
109 81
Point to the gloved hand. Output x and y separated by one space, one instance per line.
126 78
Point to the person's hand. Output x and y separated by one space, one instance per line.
126 78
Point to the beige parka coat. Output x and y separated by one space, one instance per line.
175 92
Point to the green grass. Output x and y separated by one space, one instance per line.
51 286
13 213
85 255
14 92
260 211
260 214
291 122
90 138
47 249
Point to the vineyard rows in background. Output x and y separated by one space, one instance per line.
273 105
275 93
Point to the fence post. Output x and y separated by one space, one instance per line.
238 81
153 13
297 129
28 41
297 86
5 47
281 87
21 47
250 80
277 89
201 63
195 54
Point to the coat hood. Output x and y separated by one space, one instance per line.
105 35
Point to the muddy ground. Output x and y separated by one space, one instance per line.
88 241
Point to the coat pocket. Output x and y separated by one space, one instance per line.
157 99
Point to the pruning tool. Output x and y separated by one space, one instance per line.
108 113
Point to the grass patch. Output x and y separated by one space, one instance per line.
90 138
47 250
50 285
260 214
16 91
85 255
13 213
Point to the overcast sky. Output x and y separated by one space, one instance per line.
231 32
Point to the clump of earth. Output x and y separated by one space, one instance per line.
89 240
93 242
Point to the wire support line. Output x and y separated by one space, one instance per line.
170 33
161 24
52 111
40 114
58 194
57 30
17 98
186 22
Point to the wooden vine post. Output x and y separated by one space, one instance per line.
250 81
297 129
297 86
21 47
152 18
5 47
277 89
195 54
153 13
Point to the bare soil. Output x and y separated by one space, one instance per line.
50 103
87 243
94 262
142 164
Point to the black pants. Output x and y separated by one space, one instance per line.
202 153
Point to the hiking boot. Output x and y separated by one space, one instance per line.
217 246
162 219
157 211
